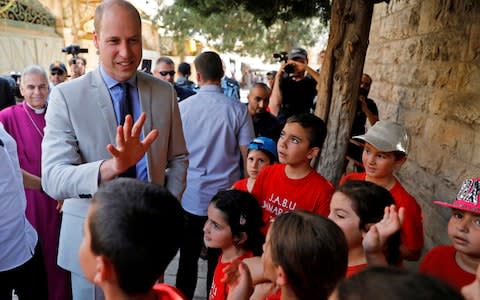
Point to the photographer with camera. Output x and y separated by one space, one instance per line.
76 63
293 92
77 66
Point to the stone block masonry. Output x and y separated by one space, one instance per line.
424 58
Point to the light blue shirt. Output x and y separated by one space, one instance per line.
214 127
116 94
17 236
230 88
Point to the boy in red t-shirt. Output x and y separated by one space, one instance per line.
385 150
132 231
457 264
293 184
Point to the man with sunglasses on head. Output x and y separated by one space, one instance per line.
165 70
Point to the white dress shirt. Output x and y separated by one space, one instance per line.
17 236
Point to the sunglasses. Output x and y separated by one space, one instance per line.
165 73
56 73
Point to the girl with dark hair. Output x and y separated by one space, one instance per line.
233 225
366 214
305 256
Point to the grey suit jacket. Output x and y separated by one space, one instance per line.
80 123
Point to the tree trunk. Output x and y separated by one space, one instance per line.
340 79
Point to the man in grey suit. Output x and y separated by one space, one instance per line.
83 146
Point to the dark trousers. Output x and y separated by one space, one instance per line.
189 254
212 257
28 280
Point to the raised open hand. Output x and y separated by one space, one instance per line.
376 237
129 148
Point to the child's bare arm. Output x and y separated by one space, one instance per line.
240 286
262 290
375 239
255 268
472 291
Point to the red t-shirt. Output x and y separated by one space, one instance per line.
352 270
412 227
219 289
241 185
440 262
167 292
277 295
277 193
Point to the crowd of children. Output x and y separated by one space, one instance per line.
372 223
313 236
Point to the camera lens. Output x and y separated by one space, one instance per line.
289 69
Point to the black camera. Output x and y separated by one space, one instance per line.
74 50
283 57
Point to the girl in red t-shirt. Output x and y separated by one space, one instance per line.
233 225
305 256
357 207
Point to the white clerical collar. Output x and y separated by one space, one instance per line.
38 111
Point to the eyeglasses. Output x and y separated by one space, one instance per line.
165 73
56 73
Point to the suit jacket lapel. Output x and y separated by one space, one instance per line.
145 96
101 93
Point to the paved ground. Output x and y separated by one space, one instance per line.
200 292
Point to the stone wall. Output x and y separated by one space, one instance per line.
23 44
424 58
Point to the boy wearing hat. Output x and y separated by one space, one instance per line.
385 150
262 152
456 264
293 92
58 73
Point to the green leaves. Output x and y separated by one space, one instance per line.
267 11
241 25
